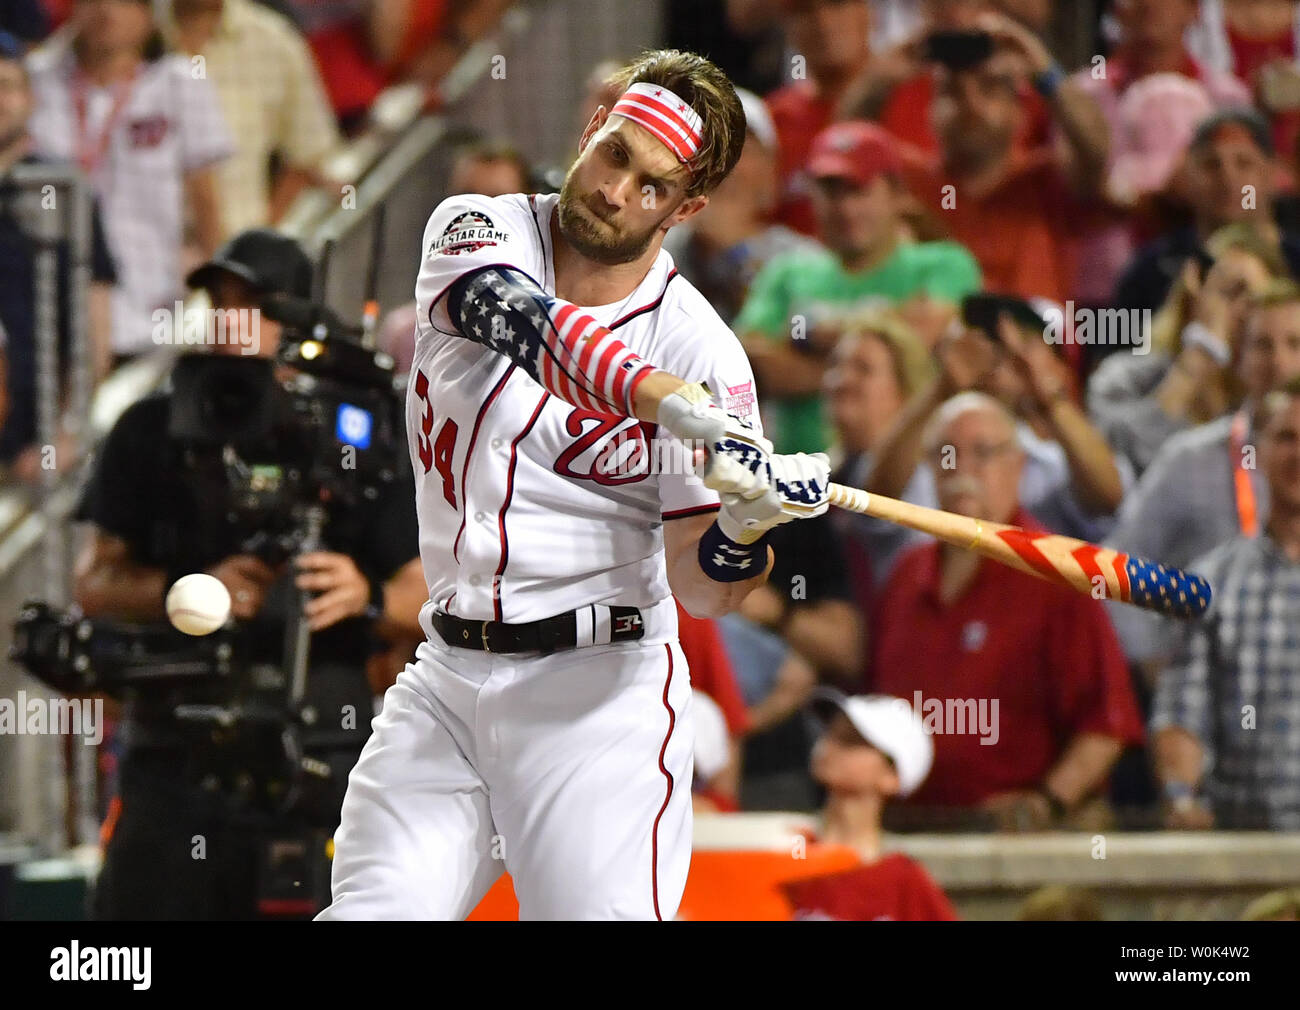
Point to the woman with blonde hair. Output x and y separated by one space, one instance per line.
878 364
1187 375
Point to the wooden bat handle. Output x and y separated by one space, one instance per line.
1085 567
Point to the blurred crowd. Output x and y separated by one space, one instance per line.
1059 297
1065 297
193 121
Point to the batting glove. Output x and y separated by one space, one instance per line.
799 488
736 457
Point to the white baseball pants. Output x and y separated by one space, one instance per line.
571 771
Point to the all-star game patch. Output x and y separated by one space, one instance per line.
466 233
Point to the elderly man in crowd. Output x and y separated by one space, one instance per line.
1021 682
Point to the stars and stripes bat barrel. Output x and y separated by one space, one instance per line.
1071 562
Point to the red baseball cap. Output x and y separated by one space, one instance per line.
854 150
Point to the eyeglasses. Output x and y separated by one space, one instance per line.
945 456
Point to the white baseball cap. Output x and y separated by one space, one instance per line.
890 726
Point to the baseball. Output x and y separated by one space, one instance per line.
198 604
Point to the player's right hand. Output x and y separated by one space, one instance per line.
730 456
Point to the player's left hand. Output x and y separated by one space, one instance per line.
799 488
343 590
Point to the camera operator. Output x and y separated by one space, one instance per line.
183 845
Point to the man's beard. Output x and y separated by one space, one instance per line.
590 240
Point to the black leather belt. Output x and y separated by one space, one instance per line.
601 626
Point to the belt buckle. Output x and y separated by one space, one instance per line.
483 635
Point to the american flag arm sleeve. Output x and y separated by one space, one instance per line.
557 343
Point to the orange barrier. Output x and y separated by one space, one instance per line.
735 886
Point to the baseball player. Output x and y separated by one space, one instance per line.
545 725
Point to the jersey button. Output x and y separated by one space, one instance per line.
496 443
479 517
475 580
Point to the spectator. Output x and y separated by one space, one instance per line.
831 41
362 46
872 750
788 322
1230 177
1140 400
421 40
491 168
1152 40
878 365
147 134
742 37
722 248
1071 481
712 676
774 680
776 683
58 11
1146 187
1038 662
26 20
897 87
271 98
1225 717
1018 211
1203 487
713 783
1256 41
1147 89
18 449
807 603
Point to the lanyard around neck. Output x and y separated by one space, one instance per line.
1247 514
91 150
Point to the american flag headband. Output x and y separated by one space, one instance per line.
665 115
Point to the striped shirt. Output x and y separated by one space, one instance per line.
1236 685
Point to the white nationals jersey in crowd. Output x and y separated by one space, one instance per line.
530 507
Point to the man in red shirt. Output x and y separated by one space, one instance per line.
896 88
873 749
831 40
1021 682
1018 210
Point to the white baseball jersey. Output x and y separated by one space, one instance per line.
530 507
142 139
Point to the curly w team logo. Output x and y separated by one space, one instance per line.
468 232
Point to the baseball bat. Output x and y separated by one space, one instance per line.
1065 560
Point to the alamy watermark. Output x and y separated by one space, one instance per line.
959 717
37 716
1099 327
195 327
